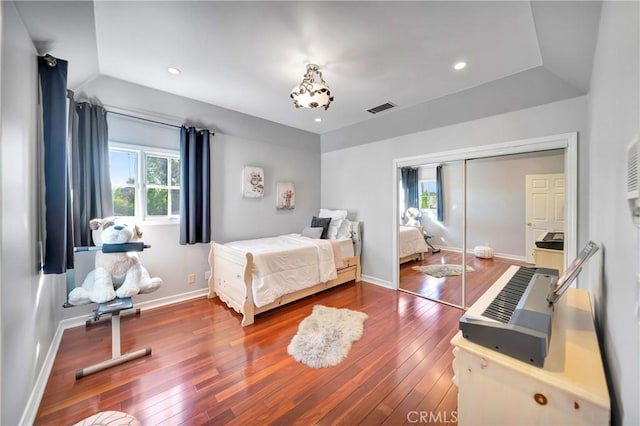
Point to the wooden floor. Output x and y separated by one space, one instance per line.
449 289
207 369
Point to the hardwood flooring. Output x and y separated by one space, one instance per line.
449 289
207 369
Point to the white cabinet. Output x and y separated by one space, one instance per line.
495 389
547 258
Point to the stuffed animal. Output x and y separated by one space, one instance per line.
115 274
413 215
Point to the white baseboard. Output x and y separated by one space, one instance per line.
31 409
511 257
143 306
499 255
33 403
378 282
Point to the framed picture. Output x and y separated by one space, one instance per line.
286 195
252 182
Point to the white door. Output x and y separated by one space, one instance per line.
544 207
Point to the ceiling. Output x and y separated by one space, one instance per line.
247 56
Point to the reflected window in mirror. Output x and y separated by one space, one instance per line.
428 196
430 193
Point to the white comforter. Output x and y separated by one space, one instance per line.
287 263
411 241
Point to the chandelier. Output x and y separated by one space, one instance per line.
313 92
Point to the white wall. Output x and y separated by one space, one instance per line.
360 178
614 113
497 205
29 311
286 154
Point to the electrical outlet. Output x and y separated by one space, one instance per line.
191 278
207 275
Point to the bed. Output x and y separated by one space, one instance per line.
411 243
254 276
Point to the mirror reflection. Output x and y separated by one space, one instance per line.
431 211
511 201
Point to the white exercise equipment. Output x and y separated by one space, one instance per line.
110 310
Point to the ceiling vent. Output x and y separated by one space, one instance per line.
380 108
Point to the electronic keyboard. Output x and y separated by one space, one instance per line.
514 316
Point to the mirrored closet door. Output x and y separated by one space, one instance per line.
431 212
511 201
484 210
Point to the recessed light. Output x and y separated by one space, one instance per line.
459 65
173 70
317 119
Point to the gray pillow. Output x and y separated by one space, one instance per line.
310 232
322 222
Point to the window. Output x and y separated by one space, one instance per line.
124 181
428 195
145 183
163 185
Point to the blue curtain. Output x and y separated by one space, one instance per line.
440 210
195 190
410 187
58 246
90 175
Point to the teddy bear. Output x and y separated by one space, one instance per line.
116 274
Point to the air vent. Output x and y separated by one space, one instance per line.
380 108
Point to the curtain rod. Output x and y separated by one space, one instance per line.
152 121
144 119
51 60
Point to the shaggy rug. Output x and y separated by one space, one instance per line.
325 337
440 271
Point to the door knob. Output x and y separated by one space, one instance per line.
530 224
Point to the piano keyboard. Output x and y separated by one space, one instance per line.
504 304
513 316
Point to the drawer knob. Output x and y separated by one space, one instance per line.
540 399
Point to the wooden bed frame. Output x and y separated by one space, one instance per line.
231 278
412 257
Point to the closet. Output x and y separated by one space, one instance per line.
484 206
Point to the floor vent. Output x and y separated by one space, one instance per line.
380 108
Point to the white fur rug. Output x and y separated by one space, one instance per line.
324 338
440 271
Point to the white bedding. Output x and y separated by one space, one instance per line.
287 263
345 248
411 241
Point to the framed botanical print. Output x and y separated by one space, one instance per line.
286 195
252 182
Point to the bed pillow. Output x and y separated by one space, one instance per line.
314 233
337 217
322 222
345 230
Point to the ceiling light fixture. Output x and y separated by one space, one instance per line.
317 119
313 92
173 71
459 65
